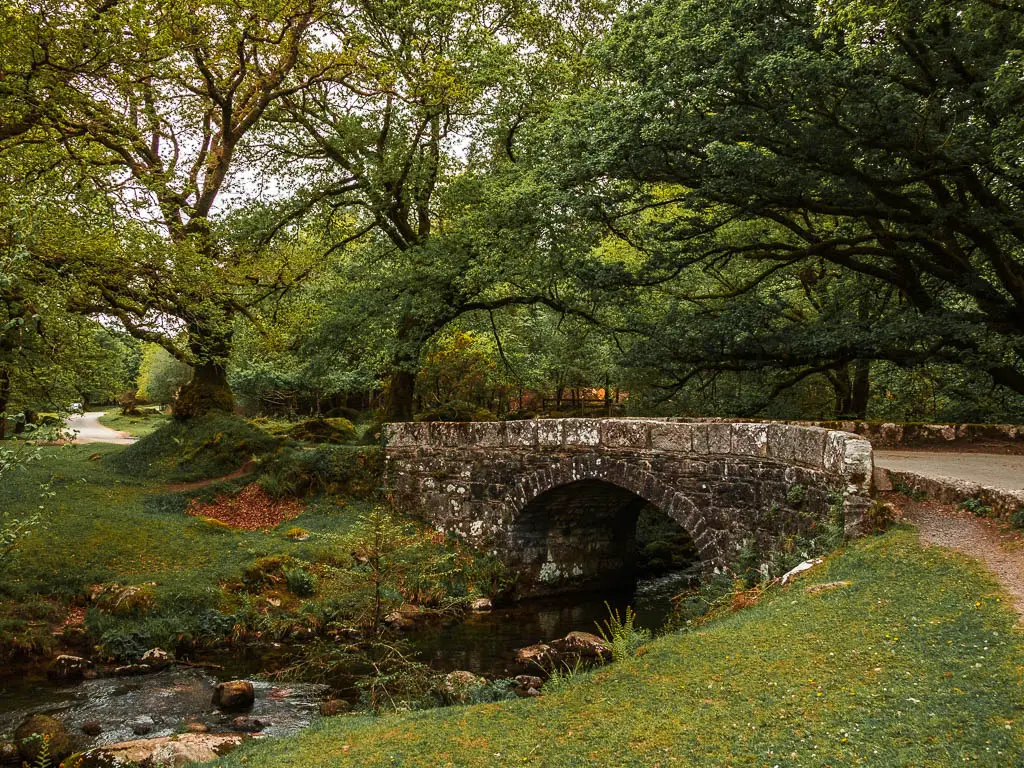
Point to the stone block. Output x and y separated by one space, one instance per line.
835 452
549 433
488 434
677 438
521 433
451 434
750 440
406 434
858 463
624 434
580 432
801 445
719 438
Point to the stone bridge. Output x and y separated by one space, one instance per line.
558 499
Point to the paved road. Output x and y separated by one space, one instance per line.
89 430
986 469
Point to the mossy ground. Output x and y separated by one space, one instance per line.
919 662
136 426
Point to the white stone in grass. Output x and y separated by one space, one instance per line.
806 565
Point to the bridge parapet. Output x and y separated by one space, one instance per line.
727 484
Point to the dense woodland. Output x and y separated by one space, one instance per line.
455 209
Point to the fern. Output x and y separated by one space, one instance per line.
621 634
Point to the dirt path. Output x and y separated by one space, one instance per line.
985 469
89 430
1000 550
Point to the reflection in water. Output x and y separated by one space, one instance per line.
486 643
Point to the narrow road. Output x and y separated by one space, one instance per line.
986 469
89 430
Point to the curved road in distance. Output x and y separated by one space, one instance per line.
89 430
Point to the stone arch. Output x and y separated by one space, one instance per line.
632 477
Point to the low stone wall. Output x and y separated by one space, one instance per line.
725 484
951 490
894 435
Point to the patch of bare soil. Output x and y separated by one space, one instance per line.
251 508
998 547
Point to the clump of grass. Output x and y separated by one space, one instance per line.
976 506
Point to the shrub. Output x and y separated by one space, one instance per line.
355 472
266 572
335 431
300 582
1017 518
976 506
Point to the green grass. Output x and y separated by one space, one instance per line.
136 426
917 663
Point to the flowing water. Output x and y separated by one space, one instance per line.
484 644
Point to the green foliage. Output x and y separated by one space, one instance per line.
976 506
796 494
911 492
345 470
335 431
621 634
161 375
1017 518
300 582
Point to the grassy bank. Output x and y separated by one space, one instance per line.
136 426
118 562
918 662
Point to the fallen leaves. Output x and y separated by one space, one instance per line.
251 508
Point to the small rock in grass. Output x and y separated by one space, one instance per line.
816 588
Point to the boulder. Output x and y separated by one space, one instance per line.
197 727
534 655
457 687
481 605
183 749
92 728
131 670
157 658
69 669
582 644
527 685
142 725
244 724
32 731
233 695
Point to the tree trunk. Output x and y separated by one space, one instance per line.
861 389
398 404
5 397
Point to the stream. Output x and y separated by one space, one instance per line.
483 643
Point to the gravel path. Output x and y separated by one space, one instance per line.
1001 551
89 430
985 469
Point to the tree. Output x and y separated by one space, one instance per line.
399 151
153 111
882 141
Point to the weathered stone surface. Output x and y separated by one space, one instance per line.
183 749
557 499
69 669
234 695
